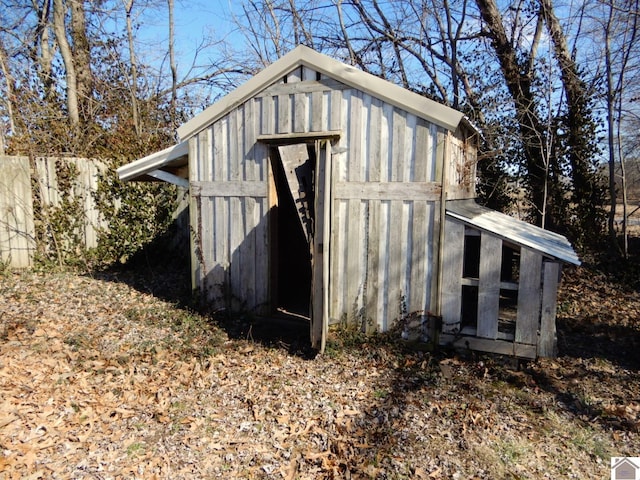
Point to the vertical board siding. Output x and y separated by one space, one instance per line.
489 285
547 342
17 228
17 232
232 229
529 297
381 253
451 307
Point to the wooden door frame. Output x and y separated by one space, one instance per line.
320 248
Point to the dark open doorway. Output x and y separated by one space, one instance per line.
293 175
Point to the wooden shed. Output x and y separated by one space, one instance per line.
320 190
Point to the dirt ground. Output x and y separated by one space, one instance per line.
111 377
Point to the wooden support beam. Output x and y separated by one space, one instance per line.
547 342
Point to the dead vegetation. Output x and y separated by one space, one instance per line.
102 379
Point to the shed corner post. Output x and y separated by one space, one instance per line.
442 154
194 216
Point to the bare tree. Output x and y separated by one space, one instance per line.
620 32
587 194
60 29
518 75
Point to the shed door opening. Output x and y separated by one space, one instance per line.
294 168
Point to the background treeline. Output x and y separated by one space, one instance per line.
554 86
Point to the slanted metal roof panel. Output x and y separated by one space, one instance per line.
512 229
174 156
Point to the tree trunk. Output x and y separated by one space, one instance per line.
174 68
44 57
59 28
518 82
610 97
82 59
10 96
128 5
587 194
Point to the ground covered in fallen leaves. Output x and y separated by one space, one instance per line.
109 377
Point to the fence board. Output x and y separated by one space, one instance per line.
17 233
17 198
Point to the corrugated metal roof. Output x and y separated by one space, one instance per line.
512 229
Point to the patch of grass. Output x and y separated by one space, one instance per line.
510 451
78 340
380 394
135 449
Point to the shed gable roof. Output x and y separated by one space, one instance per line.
512 229
306 57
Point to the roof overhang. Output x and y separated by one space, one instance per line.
516 231
306 57
168 165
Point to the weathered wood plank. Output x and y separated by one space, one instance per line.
237 235
262 256
308 74
383 229
294 76
395 279
451 301
318 317
336 111
353 249
408 154
406 247
287 138
47 180
306 86
364 138
249 130
420 238
248 254
547 342
501 347
207 245
339 260
374 138
489 285
398 145
528 317
298 172
301 112
235 144
386 142
403 191
373 266
17 232
230 189
205 155
267 115
422 159
317 112
284 113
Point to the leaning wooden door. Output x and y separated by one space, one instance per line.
308 180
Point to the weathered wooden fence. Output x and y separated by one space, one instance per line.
26 186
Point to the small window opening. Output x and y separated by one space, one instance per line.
510 270
471 262
508 313
469 315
